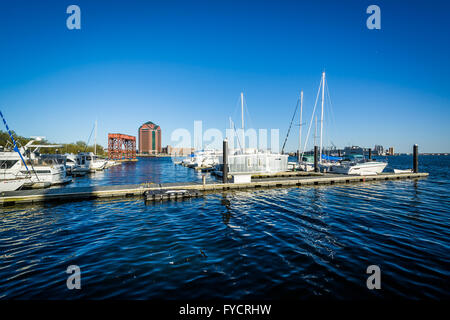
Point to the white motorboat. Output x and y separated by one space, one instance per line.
74 166
91 161
204 158
359 168
45 170
42 172
71 162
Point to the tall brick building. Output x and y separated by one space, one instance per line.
149 138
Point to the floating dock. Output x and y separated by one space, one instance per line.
12 198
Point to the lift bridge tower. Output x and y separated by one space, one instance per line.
121 146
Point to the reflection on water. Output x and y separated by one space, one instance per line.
276 243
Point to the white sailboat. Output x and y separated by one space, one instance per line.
89 161
250 161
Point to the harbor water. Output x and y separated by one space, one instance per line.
289 243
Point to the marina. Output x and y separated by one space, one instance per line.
237 156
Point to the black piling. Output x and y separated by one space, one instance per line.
316 156
415 158
225 161
370 154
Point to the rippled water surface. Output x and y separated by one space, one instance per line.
291 243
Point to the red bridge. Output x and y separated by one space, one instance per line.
121 146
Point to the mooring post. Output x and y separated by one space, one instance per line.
203 179
316 155
370 154
415 158
225 161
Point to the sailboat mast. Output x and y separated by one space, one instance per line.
95 138
321 116
300 127
315 133
242 119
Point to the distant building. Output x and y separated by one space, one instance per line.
149 138
379 150
353 150
391 151
177 151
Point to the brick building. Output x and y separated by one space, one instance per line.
149 138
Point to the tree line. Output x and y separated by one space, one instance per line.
79 146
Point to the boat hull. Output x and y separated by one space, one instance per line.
365 168
11 185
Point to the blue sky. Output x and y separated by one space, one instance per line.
173 62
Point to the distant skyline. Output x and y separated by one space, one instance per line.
175 62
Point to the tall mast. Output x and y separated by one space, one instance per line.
315 133
321 116
300 127
95 138
242 119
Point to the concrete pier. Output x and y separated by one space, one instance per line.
11 198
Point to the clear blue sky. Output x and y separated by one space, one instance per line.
173 62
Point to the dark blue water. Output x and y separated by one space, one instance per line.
291 243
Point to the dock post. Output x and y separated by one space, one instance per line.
316 154
415 158
225 161
203 179
370 154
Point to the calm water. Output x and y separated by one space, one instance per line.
291 243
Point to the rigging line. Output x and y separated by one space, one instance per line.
312 117
331 105
237 136
247 113
290 125
89 139
237 106
331 112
